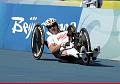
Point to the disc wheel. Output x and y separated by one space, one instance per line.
85 41
37 41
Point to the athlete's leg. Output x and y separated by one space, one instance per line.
96 52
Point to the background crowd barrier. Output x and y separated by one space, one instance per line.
17 22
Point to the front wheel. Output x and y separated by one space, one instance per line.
37 41
84 40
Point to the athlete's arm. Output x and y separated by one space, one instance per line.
54 47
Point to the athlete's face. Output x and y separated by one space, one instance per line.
53 29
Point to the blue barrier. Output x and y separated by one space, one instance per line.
20 20
2 23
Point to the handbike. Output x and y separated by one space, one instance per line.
79 39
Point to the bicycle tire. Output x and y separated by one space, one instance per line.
37 41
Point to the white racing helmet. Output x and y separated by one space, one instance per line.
50 21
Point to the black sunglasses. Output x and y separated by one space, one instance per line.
49 27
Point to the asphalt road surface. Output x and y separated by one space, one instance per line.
17 66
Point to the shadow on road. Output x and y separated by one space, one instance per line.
99 65
95 64
50 59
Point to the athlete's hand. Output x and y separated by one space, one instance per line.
64 44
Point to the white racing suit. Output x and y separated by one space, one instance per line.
63 38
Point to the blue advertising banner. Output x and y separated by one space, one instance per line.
2 23
20 20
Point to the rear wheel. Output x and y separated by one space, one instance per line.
37 41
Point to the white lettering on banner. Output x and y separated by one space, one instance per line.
18 20
65 26
20 25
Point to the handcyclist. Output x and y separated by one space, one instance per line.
58 41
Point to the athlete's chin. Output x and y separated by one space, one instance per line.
55 32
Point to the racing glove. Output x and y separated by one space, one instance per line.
64 44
